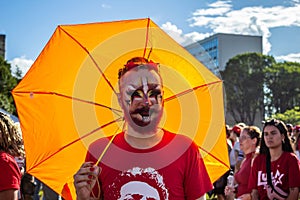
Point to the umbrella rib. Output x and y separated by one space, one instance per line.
116 111
80 138
92 58
213 156
190 90
147 37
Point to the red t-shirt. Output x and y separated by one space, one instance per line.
10 175
285 173
242 176
172 169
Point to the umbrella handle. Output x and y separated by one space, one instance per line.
105 149
107 146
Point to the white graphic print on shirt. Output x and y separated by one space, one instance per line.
276 180
139 184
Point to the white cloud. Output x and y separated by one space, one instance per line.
175 33
258 20
293 57
216 8
178 36
196 36
23 63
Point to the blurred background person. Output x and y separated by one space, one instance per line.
290 130
229 141
49 194
220 184
296 140
11 146
234 137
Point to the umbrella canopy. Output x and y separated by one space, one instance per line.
68 97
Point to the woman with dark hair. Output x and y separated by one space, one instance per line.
275 173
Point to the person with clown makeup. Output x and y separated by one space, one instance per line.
162 164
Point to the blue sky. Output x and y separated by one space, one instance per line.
28 25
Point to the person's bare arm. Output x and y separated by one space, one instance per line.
246 196
229 192
254 194
11 194
294 193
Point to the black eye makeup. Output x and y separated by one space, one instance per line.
154 93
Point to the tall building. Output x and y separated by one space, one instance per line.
215 51
2 46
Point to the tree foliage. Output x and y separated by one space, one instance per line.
257 84
283 87
7 83
244 82
291 116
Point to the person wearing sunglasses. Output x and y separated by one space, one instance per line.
143 149
275 172
249 143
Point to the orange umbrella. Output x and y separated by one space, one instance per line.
68 97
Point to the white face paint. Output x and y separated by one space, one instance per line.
141 98
145 85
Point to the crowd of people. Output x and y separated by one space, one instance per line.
265 163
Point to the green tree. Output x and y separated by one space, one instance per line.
244 82
291 116
7 83
282 87
18 74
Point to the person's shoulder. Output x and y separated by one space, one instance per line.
7 161
180 142
179 137
259 157
102 142
236 144
98 146
6 157
3 157
2 154
290 155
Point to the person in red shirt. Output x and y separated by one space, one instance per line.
275 172
10 147
296 136
249 141
144 161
